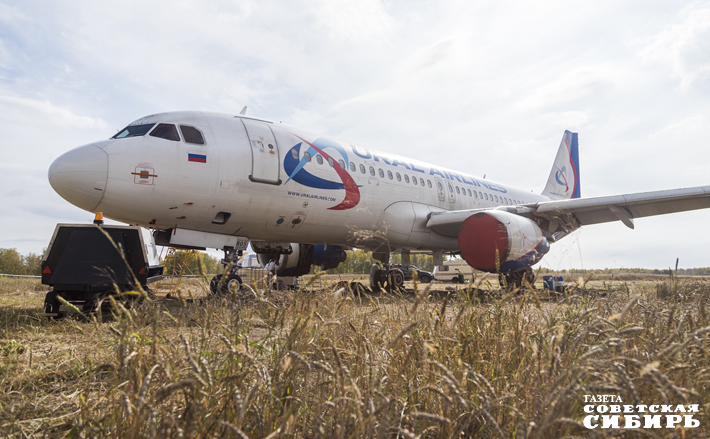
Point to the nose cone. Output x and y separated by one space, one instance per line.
80 175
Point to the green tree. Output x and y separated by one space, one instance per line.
11 262
33 264
188 262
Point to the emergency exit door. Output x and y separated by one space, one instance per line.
265 157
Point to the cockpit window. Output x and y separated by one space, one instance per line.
166 131
192 135
133 131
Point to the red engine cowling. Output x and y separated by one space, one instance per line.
498 241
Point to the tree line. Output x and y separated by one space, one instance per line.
360 262
12 262
357 261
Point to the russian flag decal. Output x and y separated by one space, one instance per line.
199 158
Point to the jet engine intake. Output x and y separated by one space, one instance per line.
499 241
302 257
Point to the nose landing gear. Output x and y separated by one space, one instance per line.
231 281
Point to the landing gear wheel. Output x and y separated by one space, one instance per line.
231 283
380 280
517 279
395 280
386 280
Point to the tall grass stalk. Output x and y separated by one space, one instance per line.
333 364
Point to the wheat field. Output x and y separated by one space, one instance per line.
429 363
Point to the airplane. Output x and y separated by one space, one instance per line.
215 180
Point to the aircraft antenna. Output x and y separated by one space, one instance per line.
244 111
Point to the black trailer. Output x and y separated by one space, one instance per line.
82 265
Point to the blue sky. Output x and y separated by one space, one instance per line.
484 87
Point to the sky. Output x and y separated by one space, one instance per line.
484 87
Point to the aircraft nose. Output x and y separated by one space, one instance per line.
80 175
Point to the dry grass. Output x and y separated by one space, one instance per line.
330 364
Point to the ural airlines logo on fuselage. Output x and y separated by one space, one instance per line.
296 172
294 167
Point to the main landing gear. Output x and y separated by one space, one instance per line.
387 279
517 279
229 281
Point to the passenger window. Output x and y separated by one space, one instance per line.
451 188
486 195
382 173
399 177
319 159
496 198
469 193
389 175
331 162
342 164
406 178
134 131
414 180
439 185
166 131
421 181
458 191
352 167
294 154
307 155
362 168
372 171
475 194
192 135
428 182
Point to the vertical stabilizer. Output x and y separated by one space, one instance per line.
563 182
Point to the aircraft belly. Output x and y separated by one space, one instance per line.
397 222
422 237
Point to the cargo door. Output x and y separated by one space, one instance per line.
265 157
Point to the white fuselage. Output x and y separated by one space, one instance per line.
255 174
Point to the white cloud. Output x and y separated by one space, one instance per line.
485 87
684 46
355 21
573 86
60 116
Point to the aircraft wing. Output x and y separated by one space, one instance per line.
557 218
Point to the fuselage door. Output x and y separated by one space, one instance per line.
452 194
265 157
440 189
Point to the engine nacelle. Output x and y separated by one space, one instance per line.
302 257
498 241
328 256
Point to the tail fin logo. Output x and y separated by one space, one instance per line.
561 177
563 180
